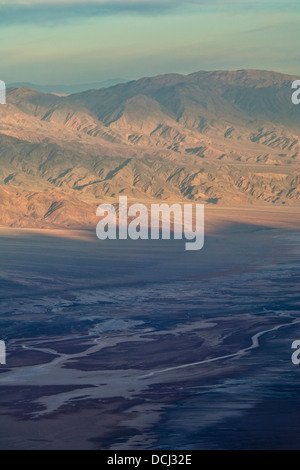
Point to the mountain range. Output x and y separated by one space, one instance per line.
221 138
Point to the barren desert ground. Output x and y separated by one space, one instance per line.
142 345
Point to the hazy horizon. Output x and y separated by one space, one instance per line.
120 80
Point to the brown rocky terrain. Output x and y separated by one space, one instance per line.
220 138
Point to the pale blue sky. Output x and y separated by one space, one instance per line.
50 42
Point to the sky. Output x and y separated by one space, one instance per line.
72 41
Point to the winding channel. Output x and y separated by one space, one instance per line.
254 344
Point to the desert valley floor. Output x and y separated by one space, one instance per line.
142 345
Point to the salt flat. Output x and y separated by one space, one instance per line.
125 344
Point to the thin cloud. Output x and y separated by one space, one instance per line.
38 12
99 2
56 12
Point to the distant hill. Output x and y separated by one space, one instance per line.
68 89
225 138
